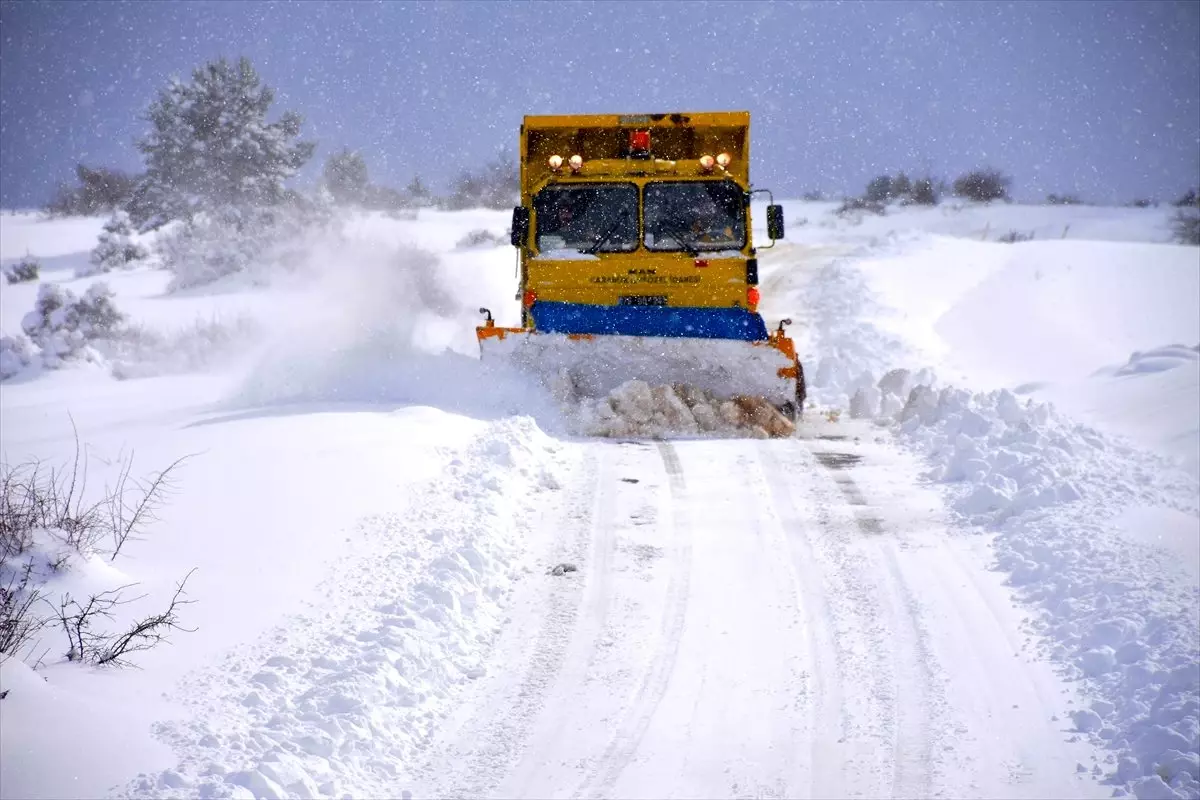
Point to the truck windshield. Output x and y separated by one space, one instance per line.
592 218
695 216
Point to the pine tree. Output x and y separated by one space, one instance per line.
116 248
417 192
345 176
210 146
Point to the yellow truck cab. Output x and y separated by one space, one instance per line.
639 226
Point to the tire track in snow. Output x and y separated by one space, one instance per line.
913 773
621 748
589 625
501 724
828 767
913 677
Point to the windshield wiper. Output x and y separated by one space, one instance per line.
591 251
687 243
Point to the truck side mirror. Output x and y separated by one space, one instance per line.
520 226
774 222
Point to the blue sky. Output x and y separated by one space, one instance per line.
1099 98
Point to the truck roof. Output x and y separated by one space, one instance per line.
689 118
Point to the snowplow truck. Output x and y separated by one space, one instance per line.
636 260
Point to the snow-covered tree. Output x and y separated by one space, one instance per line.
418 192
210 146
116 248
16 353
99 189
345 175
497 185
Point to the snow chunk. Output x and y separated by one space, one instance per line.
635 408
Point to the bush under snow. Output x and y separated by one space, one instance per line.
63 326
116 248
480 237
23 271
16 353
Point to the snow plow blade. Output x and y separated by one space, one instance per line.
593 365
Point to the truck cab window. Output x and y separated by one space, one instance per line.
587 218
695 216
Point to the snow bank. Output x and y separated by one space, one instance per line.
978 221
333 703
1075 512
1124 623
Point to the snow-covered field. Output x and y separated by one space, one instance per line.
974 571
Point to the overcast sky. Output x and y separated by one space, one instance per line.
1099 98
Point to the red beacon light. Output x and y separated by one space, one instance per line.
752 297
639 141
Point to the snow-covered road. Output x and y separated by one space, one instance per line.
758 619
936 588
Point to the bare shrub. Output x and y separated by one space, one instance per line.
92 646
37 498
126 516
1015 236
19 623
1063 200
983 185
45 520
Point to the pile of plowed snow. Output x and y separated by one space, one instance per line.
637 409
1096 536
